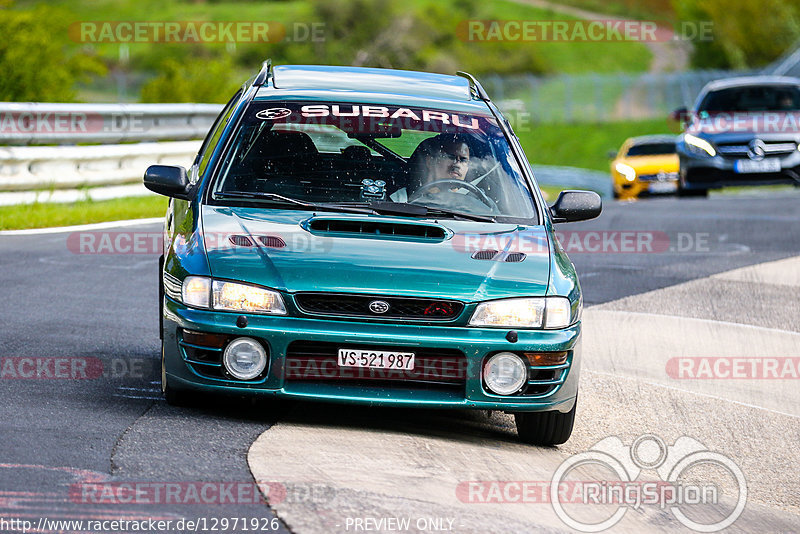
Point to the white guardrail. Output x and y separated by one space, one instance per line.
89 145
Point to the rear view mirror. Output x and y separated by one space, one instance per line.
572 206
168 180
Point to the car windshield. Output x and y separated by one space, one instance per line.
366 154
753 99
651 149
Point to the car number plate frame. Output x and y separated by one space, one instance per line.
747 166
375 359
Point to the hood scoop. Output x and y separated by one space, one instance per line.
383 229
495 255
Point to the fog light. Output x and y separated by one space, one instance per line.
505 373
245 358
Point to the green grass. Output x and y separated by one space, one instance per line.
557 57
635 9
582 145
43 215
568 57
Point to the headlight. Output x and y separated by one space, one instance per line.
698 145
626 170
539 312
202 292
230 296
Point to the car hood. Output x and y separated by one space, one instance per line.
375 263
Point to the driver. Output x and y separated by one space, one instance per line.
449 160
443 157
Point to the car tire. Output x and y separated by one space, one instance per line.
174 397
545 428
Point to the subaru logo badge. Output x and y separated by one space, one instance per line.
273 113
379 306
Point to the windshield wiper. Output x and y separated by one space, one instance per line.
416 210
461 214
280 199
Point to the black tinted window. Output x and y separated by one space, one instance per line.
651 149
755 98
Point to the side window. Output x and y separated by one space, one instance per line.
214 134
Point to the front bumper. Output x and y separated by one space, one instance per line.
718 171
277 333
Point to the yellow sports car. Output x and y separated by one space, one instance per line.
645 165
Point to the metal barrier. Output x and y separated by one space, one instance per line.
574 178
58 167
25 123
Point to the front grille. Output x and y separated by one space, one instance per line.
659 177
738 150
318 362
359 306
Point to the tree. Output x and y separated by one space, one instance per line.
34 61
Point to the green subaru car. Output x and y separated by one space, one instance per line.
370 236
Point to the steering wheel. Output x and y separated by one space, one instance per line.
455 184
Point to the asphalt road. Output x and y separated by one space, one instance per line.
98 418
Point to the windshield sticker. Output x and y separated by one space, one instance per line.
355 110
273 113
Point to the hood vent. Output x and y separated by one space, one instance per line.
271 241
241 240
484 254
511 257
376 228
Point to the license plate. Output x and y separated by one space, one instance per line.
376 359
749 166
662 187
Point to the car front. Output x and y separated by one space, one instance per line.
328 260
742 132
645 165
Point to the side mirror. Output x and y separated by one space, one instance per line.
612 154
167 180
572 206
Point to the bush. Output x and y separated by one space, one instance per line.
745 34
33 59
197 80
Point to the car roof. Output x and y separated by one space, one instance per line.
744 81
370 85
